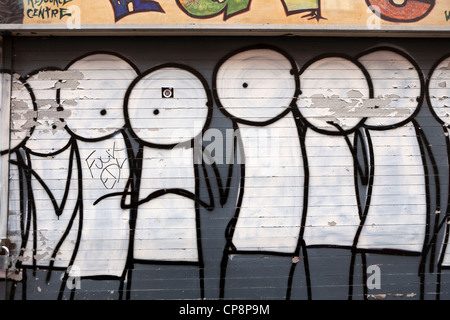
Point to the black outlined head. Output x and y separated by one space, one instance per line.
438 90
168 105
49 135
335 90
256 85
93 90
398 85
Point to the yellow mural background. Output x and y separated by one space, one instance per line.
261 12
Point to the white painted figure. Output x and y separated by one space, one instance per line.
53 179
395 229
96 122
396 217
335 91
257 89
167 110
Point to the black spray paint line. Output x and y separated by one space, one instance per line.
301 245
159 193
441 221
79 206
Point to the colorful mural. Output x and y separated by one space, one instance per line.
361 13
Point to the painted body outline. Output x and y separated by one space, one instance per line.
444 219
230 248
425 150
76 137
193 143
26 175
360 170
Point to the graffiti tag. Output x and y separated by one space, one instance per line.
48 9
106 167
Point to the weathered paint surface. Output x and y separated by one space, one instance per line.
258 169
298 14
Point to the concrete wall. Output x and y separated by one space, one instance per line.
228 167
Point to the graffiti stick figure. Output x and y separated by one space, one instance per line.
257 88
396 220
167 109
102 150
334 89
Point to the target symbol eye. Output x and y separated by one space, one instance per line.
167 93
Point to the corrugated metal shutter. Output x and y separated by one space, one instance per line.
229 167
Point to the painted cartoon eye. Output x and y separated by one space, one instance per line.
168 105
245 85
401 10
103 112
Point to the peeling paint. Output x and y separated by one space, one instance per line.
19 104
360 107
70 102
67 84
46 103
52 114
41 256
60 75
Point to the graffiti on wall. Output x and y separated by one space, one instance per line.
60 11
327 154
401 11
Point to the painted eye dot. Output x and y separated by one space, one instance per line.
54 127
60 108
245 85
156 112
103 112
